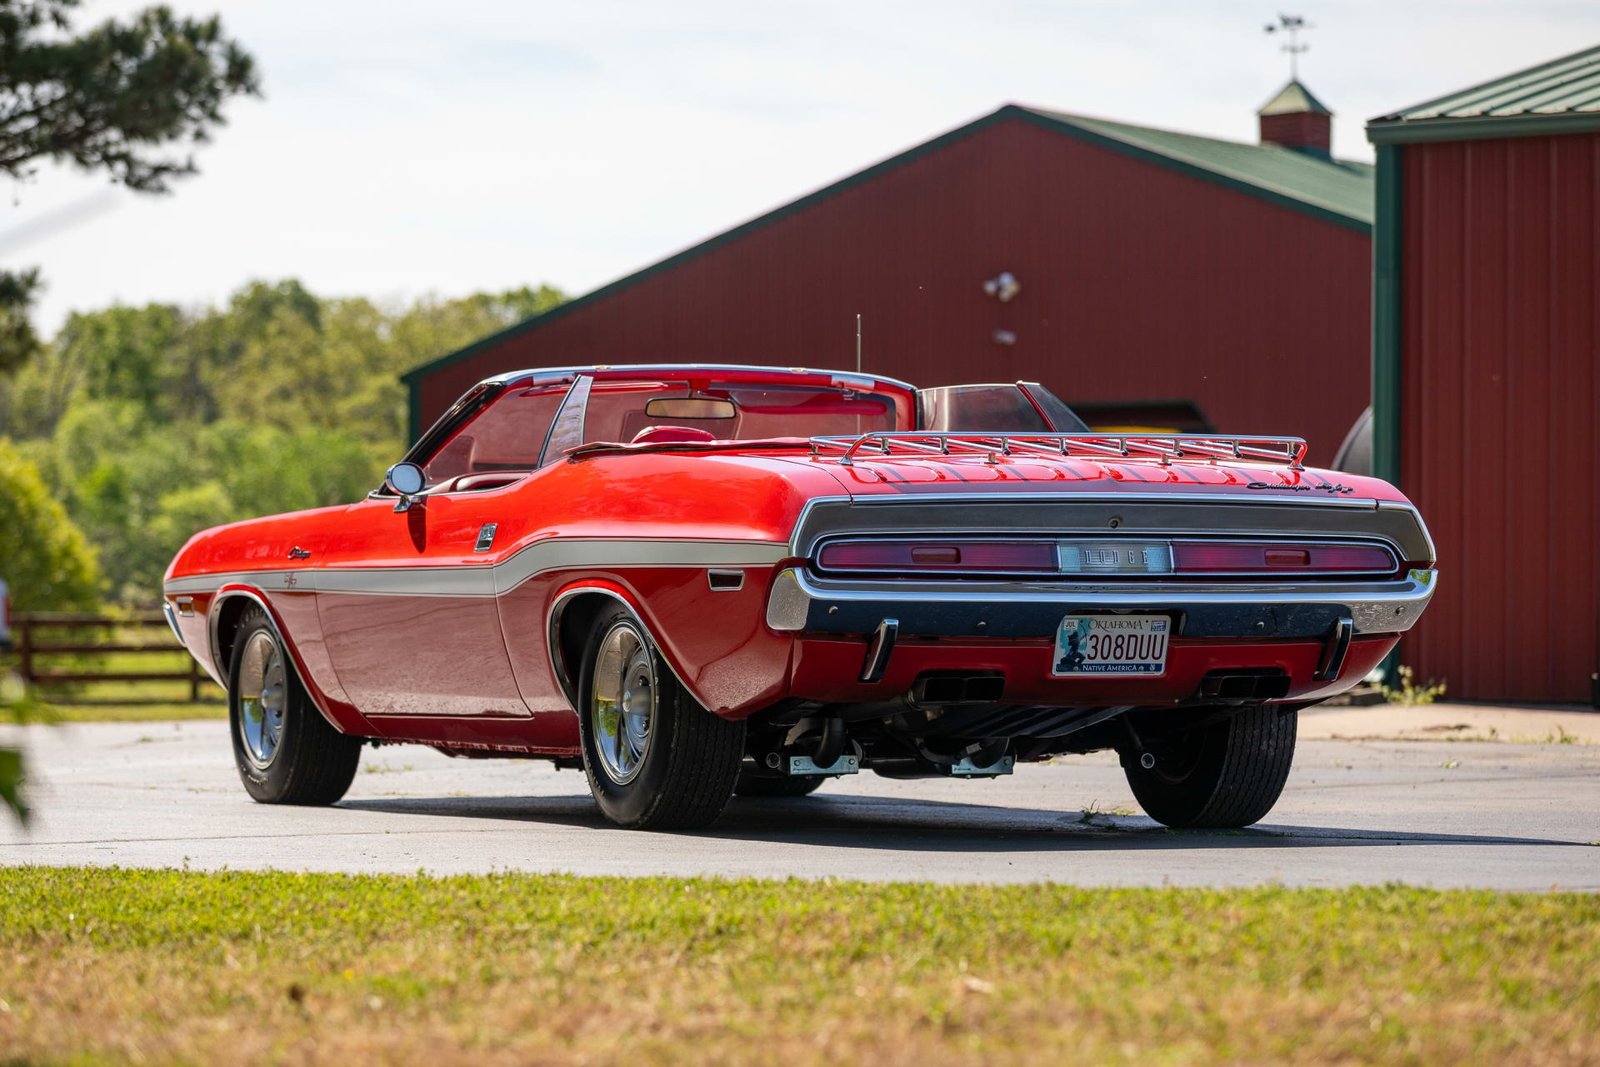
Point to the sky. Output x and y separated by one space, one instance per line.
409 149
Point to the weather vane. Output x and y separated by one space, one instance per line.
1292 25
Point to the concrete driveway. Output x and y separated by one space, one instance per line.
1440 813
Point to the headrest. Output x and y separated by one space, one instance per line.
670 435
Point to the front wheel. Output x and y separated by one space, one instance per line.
1225 774
655 759
285 750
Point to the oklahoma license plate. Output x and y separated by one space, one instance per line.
1102 645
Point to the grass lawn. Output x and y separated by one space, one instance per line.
167 966
205 709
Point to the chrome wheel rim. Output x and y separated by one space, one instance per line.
263 699
622 708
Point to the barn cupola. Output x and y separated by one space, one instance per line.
1296 119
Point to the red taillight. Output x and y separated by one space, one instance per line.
984 557
1220 557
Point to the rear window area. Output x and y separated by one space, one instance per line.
620 411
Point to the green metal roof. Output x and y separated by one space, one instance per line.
1338 190
1561 96
1335 191
1294 99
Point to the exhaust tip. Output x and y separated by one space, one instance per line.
950 687
1267 683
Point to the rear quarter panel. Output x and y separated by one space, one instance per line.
646 528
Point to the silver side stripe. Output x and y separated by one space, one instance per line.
485 580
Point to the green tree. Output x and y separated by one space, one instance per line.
126 353
127 98
44 557
47 565
18 342
154 422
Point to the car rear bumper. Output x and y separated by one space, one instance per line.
802 602
828 670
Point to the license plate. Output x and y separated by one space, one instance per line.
1102 645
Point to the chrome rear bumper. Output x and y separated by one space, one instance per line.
803 602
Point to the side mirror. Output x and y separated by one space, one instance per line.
404 480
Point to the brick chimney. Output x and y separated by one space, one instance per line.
1296 119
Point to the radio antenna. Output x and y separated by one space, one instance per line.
858 342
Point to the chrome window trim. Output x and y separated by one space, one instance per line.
541 375
576 401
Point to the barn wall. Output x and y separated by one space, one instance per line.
1137 283
1499 396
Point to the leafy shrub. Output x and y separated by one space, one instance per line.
1411 694
44 557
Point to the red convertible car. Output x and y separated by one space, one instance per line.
696 581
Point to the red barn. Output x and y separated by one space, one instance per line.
1153 277
1486 356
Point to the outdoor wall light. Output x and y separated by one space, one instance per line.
1004 286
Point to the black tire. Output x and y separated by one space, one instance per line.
1227 774
683 776
759 786
310 762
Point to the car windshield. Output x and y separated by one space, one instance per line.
529 425
525 424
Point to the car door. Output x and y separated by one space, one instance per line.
407 597
408 608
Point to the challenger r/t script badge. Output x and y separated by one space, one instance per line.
1326 487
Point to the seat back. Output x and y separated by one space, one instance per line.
671 435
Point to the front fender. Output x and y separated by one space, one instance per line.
308 654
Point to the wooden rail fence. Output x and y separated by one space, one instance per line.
75 635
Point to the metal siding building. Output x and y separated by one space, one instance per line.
1154 266
1487 373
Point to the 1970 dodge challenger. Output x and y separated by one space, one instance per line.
696 581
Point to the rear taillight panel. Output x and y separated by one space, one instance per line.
958 557
1107 558
1221 558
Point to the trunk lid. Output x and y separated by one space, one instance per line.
916 463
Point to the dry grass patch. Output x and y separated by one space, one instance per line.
177 967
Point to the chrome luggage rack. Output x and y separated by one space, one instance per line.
1164 448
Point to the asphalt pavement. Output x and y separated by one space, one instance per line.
1440 813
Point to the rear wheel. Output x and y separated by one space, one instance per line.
755 785
655 759
285 750
1225 774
